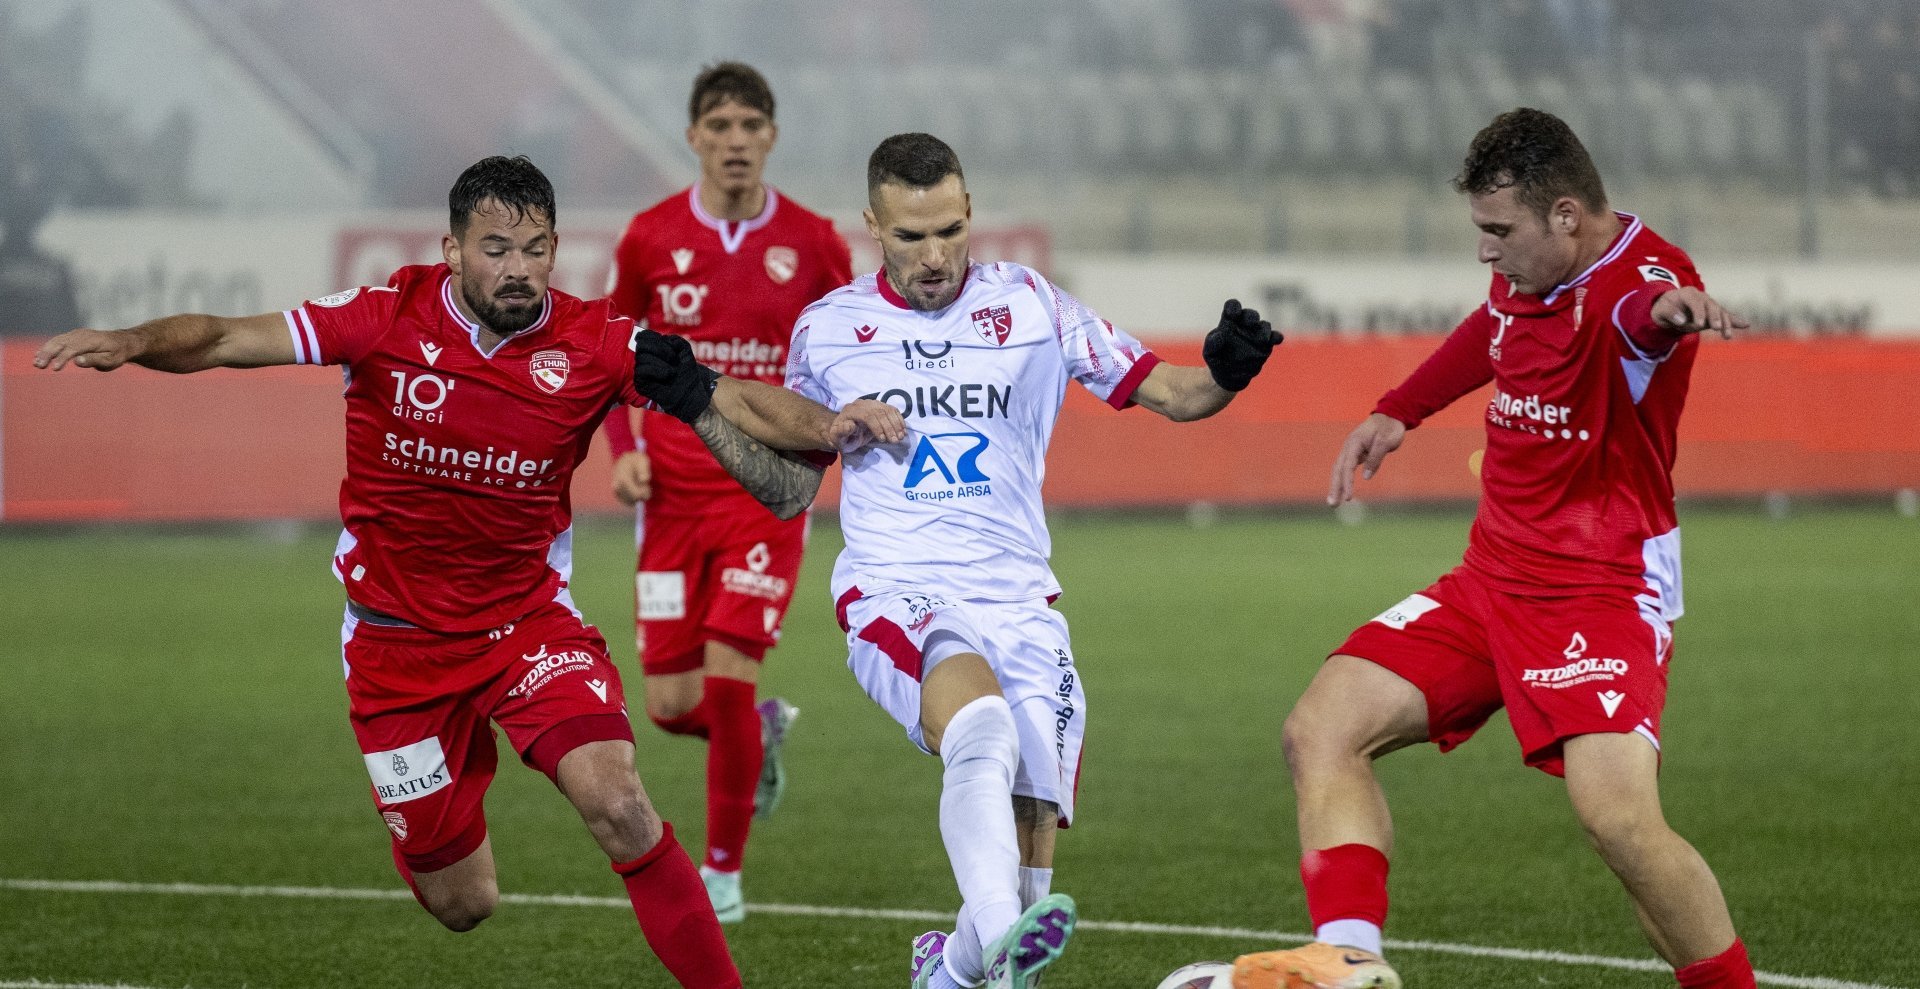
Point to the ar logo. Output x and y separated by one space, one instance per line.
959 464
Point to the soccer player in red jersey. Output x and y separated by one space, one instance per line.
727 263
472 394
1561 611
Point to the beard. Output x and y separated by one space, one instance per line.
504 318
919 298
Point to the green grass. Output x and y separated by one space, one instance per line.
171 711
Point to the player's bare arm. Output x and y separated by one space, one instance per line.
1235 351
178 344
633 477
1369 443
783 482
787 420
1689 310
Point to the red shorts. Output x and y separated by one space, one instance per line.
1562 667
420 701
725 577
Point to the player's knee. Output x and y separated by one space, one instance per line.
675 716
465 911
982 730
624 822
1311 737
1623 835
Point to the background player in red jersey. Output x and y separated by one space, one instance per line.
1561 610
727 263
473 391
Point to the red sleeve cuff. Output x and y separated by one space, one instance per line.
1123 392
1393 407
822 459
618 429
1633 317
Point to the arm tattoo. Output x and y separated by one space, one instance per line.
785 484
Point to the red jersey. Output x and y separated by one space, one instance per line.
1577 478
458 461
733 289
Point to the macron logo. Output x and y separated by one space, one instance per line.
599 688
430 352
682 259
865 333
1610 701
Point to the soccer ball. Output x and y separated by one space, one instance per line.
1199 975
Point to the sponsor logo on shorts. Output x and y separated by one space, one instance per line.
396 823
1410 610
1063 715
408 772
1579 668
547 666
754 581
663 594
920 611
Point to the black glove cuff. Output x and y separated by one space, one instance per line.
1232 379
689 395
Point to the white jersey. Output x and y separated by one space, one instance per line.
955 510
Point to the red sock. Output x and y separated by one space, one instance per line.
694 722
1346 882
1730 969
733 769
671 904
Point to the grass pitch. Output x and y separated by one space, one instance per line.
171 712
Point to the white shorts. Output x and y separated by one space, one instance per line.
893 637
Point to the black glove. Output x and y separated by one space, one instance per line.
665 373
1237 349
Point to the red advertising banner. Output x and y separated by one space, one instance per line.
1802 417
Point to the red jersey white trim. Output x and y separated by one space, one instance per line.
733 233
473 328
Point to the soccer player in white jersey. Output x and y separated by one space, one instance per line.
944 588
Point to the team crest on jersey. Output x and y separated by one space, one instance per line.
337 299
995 323
396 822
781 263
549 369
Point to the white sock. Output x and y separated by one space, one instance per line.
1362 934
942 977
1035 884
981 750
964 943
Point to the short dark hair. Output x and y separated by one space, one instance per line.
514 183
917 161
1536 153
723 81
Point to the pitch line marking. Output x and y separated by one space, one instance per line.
863 913
37 984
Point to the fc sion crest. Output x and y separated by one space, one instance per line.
549 369
995 323
782 262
